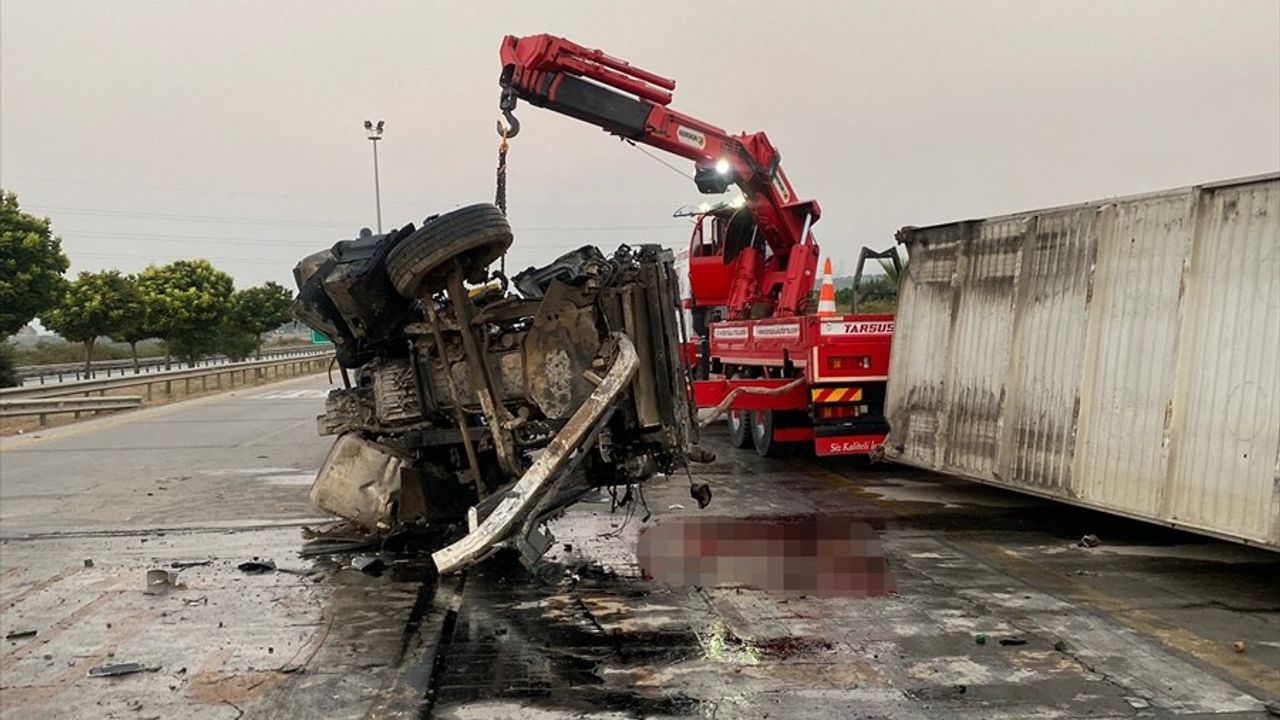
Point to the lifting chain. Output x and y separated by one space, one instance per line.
500 195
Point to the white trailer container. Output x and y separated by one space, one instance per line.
1122 355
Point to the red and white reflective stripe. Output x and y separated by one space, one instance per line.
838 394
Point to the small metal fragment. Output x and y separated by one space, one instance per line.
159 582
368 564
20 635
257 567
124 668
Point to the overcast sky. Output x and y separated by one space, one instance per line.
151 131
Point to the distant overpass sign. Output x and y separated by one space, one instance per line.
319 338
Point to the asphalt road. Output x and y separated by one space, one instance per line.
808 589
179 464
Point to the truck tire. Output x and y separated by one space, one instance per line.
475 236
763 423
739 428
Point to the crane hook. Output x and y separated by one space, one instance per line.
507 104
512 128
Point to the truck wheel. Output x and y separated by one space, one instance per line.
763 423
475 236
739 428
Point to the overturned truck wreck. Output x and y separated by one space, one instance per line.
491 408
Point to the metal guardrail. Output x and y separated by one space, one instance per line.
314 361
55 372
43 407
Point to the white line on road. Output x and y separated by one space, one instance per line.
307 394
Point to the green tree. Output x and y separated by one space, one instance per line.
186 301
92 306
132 327
261 309
31 266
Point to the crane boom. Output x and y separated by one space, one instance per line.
597 88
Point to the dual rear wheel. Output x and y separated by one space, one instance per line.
759 428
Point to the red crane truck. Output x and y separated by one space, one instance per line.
787 378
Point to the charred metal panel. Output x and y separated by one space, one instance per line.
985 282
1122 354
1049 327
924 320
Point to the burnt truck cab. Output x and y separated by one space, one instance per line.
486 404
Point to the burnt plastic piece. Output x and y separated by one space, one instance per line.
569 268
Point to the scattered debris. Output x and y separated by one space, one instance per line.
257 566
88 562
184 564
1060 646
675 506
1089 541
159 582
719 644
124 668
368 564
202 600
980 638
1013 641
1238 646
20 635
701 492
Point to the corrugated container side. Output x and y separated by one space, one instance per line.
1049 331
985 280
1226 449
1131 352
923 319
1122 354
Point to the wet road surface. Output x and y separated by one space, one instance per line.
891 594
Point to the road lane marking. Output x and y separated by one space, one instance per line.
307 394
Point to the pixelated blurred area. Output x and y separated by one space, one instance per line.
804 555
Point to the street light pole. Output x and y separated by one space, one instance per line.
374 133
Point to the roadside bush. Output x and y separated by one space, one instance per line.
56 351
237 344
7 376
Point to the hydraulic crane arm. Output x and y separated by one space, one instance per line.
627 101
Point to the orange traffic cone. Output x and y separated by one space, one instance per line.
827 295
